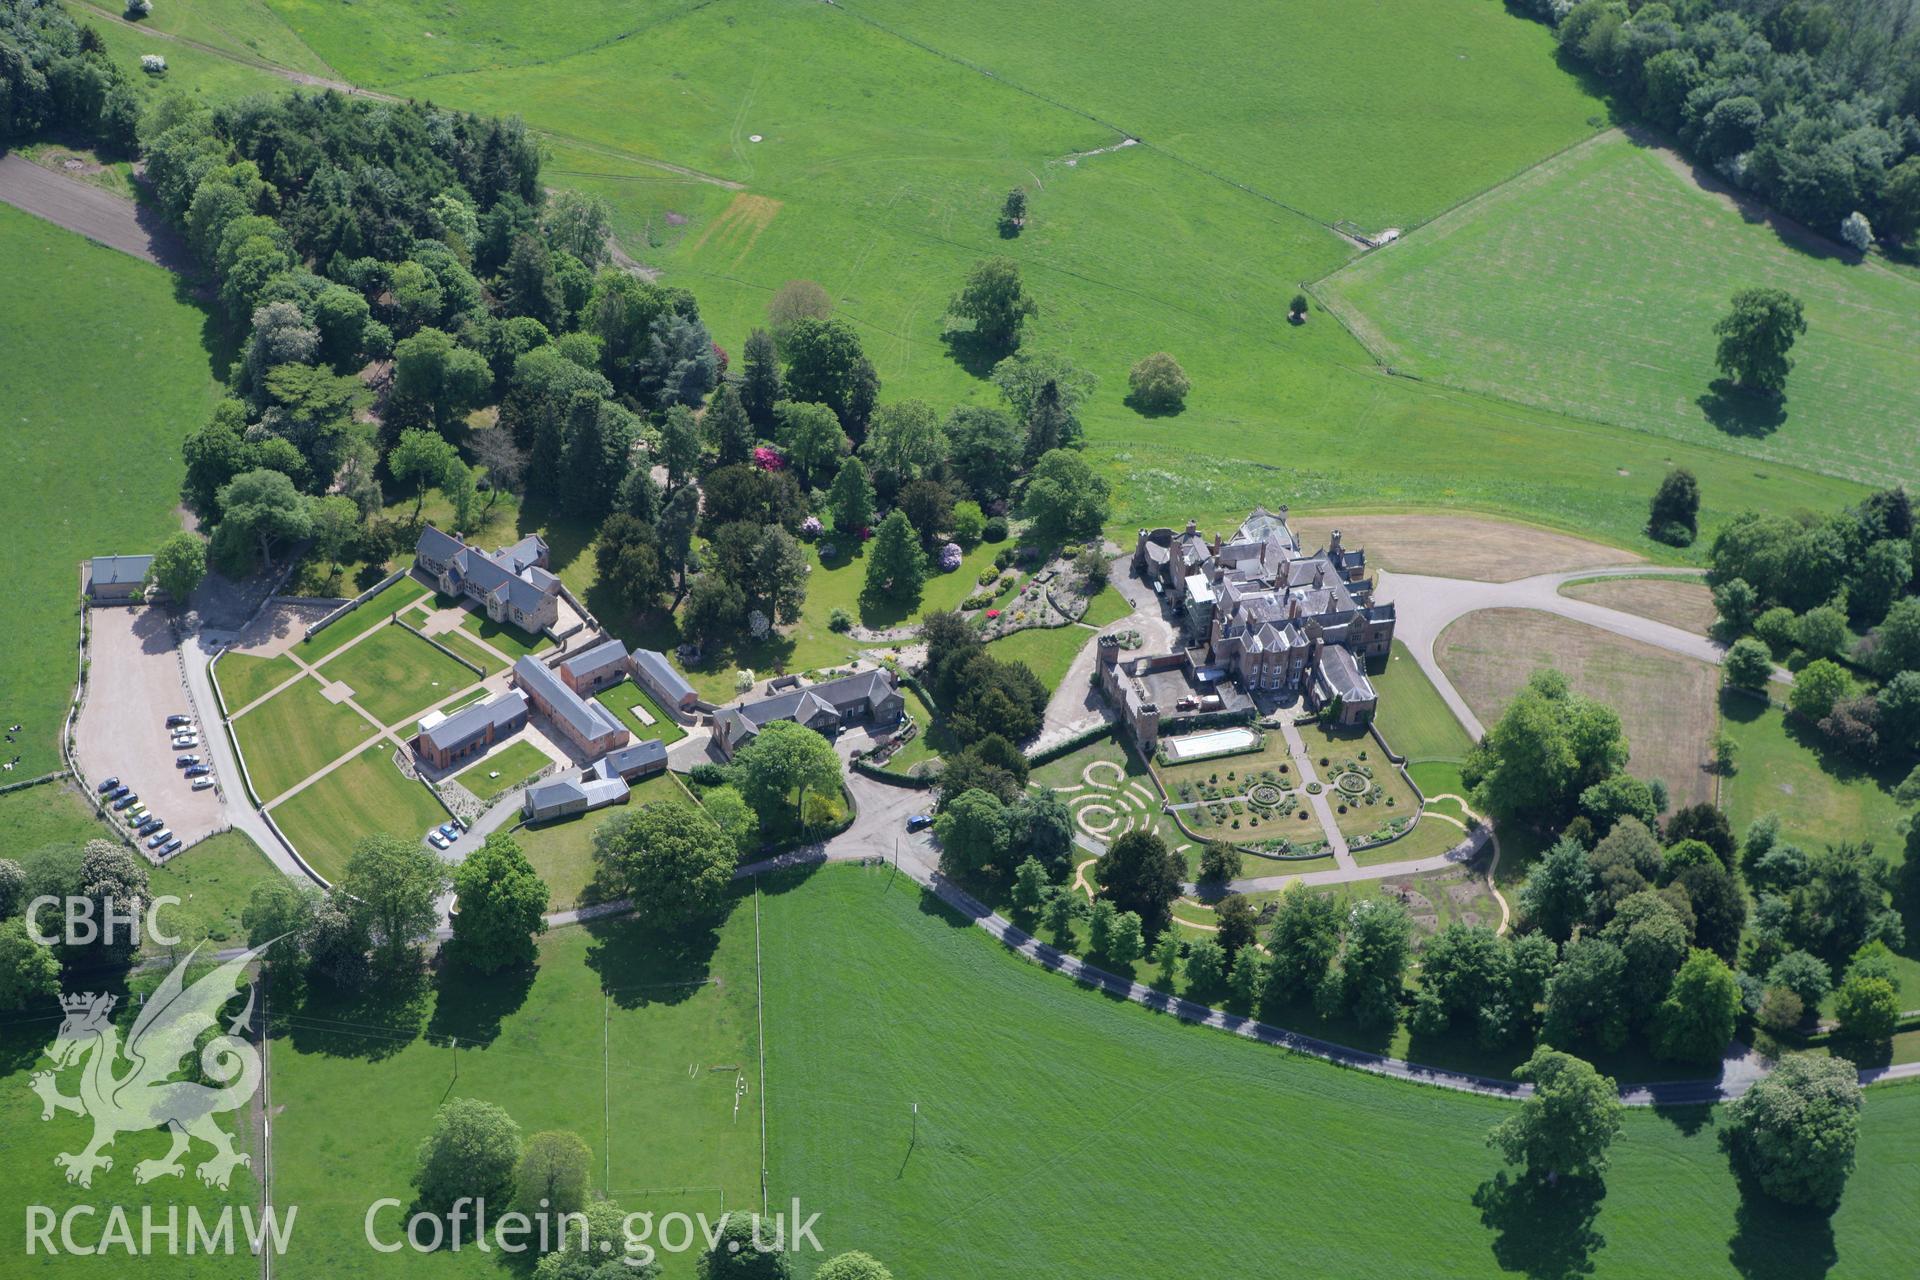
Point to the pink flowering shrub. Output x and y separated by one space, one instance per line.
768 458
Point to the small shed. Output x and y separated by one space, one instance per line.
117 579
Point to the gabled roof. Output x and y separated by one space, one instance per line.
642 754
436 545
120 571
1342 675
868 688
608 653
652 666
468 723
587 719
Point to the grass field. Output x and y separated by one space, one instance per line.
505 637
213 880
472 652
394 673
562 850
365 796
101 351
1049 651
1070 1086
1591 285
401 593
295 732
637 1054
245 679
1667 703
622 698
1141 249
1412 717
520 761
1678 602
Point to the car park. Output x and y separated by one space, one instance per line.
109 785
155 841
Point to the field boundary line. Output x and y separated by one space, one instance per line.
1084 114
760 1015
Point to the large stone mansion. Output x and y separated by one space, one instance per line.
1261 619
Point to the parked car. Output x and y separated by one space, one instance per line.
451 830
183 761
181 743
437 840
118 791
201 784
178 718
170 847
919 822
126 801
159 838
148 826
197 771
109 785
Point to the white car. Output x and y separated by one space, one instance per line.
181 744
437 840
201 784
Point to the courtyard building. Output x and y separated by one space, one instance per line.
511 584
1261 618
446 740
652 672
595 668
588 726
869 697
117 579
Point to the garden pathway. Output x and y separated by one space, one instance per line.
1318 799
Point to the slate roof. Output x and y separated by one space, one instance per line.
120 571
436 545
660 676
867 687
587 719
1341 674
468 723
641 755
589 662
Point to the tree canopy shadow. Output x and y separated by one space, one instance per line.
1775 1241
374 1022
1742 413
1688 1120
470 1005
1543 1229
641 965
1149 410
971 352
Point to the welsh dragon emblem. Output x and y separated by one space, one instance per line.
145 1096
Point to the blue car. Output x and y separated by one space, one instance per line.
126 800
919 822
109 785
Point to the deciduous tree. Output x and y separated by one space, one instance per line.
470 1153
502 904
1755 337
1795 1130
1567 1124
672 860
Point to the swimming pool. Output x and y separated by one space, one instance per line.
1206 744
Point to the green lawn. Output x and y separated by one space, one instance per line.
926 745
1006 1120
562 850
375 612
1109 606
394 674
637 1053
295 732
1412 717
245 679
1591 287
621 699
52 813
214 881
518 762
100 354
472 652
364 797
505 637
1049 651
